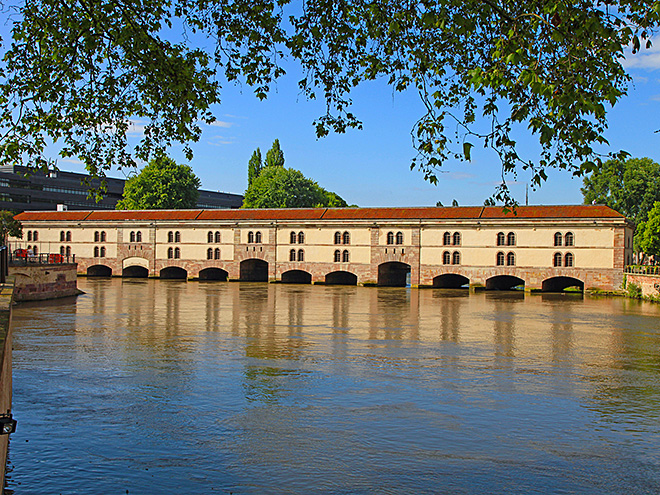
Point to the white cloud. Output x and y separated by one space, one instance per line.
220 123
644 59
71 160
220 141
136 128
460 175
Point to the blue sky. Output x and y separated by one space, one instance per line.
371 167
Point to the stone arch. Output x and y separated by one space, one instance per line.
393 274
134 271
503 282
135 267
450 281
99 271
254 270
296 277
213 274
173 272
558 284
341 278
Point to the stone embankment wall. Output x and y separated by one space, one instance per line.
38 282
650 284
6 294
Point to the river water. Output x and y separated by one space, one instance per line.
152 386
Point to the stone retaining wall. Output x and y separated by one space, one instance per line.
6 294
650 284
37 282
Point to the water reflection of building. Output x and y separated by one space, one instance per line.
539 247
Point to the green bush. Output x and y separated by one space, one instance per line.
634 291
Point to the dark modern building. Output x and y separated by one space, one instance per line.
45 191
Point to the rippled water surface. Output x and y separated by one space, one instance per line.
146 387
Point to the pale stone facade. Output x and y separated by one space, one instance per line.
540 247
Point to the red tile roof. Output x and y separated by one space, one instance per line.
66 216
270 214
560 211
401 213
144 215
423 213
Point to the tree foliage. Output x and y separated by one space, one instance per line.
254 166
273 186
79 72
9 226
275 156
649 235
163 184
280 187
629 186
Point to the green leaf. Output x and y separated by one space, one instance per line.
467 147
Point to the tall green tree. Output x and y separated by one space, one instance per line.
275 156
9 226
333 200
78 73
280 187
254 166
649 232
162 184
629 186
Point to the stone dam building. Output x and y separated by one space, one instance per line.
539 247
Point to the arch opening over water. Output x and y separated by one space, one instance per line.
135 271
393 274
504 282
174 272
296 277
341 278
451 281
254 270
213 274
99 271
558 284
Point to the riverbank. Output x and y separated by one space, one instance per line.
441 391
6 300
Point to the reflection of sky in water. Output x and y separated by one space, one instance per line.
167 386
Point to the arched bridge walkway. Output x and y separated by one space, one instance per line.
341 278
504 282
254 270
135 271
213 274
296 277
558 284
99 271
174 272
393 274
450 281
